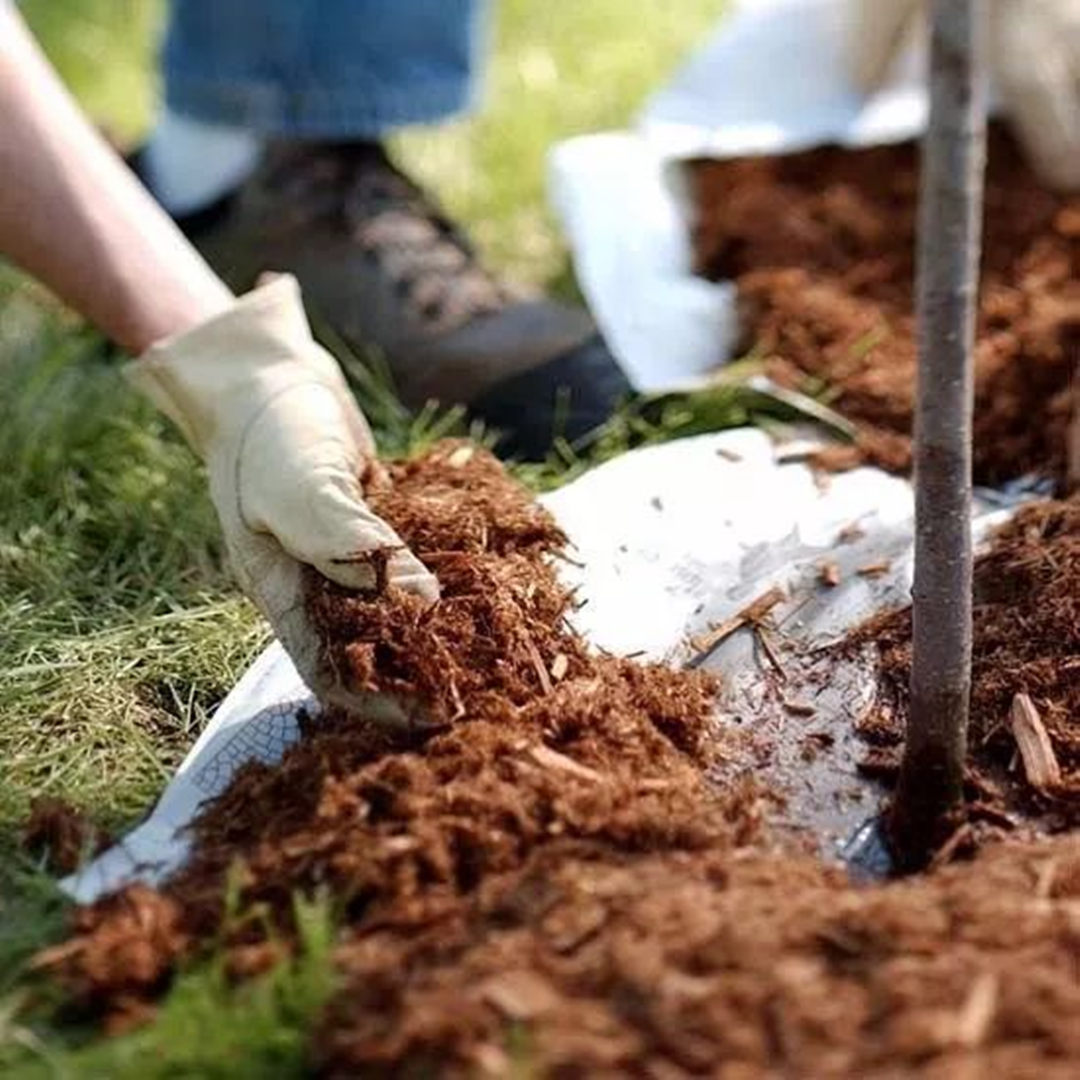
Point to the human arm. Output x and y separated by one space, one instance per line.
74 217
264 406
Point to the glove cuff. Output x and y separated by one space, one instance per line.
216 376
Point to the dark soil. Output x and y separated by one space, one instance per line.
821 245
541 879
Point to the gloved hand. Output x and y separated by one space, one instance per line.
1034 58
268 410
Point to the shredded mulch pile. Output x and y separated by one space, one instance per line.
539 878
821 245
1026 641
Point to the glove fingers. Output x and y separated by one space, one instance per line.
373 555
275 583
328 525
310 499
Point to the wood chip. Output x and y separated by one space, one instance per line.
547 758
875 569
655 783
538 664
559 667
461 457
993 815
977 1013
799 708
1067 221
754 612
1036 752
960 838
829 574
770 653
400 845
728 455
759 608
519 995
491 1060
1044 884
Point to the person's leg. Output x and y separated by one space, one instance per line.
344 69
328 69
316 84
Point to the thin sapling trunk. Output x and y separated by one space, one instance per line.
1072 475
931 777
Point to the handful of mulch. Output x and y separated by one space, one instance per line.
1026 624
498 636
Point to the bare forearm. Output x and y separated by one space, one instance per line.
73 215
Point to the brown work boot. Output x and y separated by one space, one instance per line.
382 266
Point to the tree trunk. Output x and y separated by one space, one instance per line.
953 157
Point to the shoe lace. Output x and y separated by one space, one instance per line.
430 263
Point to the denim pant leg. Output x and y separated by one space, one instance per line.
339 69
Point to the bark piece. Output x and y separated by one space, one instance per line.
520 995
874 569
977 1014
547 758
1036 751
829 574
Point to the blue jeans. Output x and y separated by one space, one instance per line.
338 69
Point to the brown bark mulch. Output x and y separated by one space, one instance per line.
821 246
537 873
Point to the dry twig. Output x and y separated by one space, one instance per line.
750 615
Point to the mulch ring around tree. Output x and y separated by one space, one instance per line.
821 247
1024 730
541 877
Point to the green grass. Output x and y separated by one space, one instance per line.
119 628
206 1028
105 50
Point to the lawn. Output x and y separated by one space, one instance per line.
119 628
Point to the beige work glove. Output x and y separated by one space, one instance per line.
268 411
1034 57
